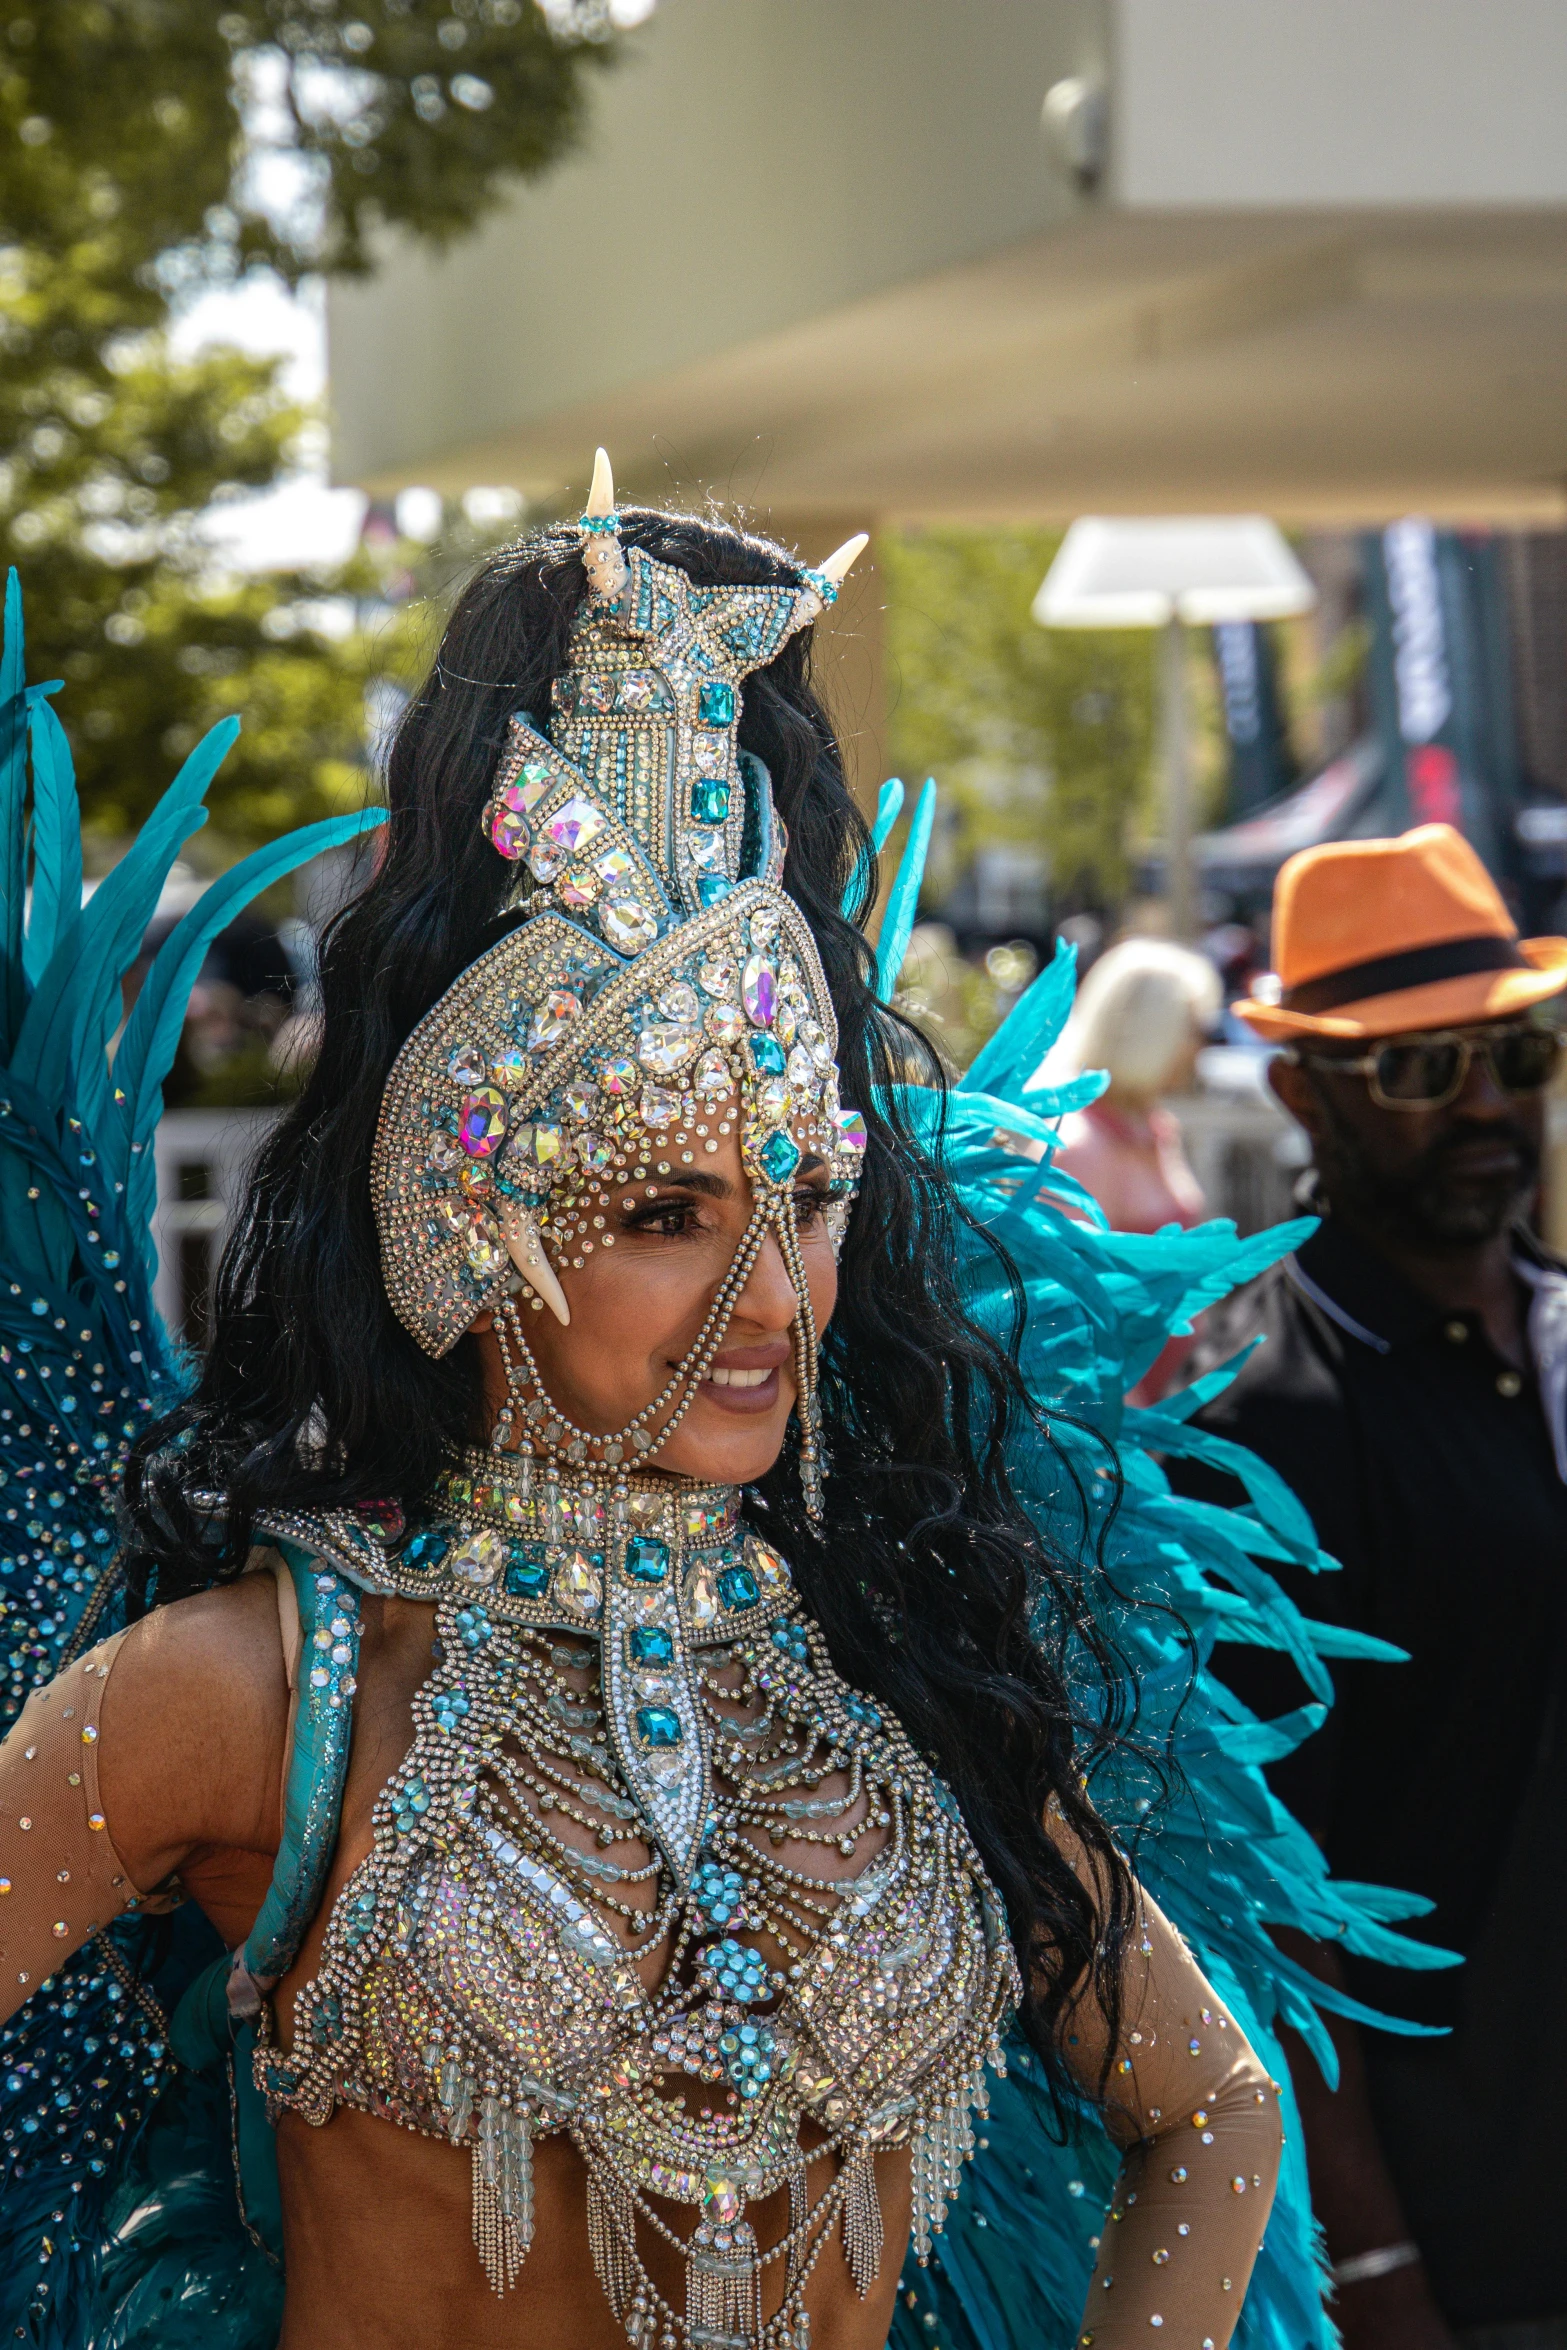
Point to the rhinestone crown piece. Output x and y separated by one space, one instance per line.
661 975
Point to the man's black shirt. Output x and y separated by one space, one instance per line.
1427 1467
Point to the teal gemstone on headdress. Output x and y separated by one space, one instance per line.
767 1056
710 799
651 1644
526 1573
647 1560
710 887
715 703
779 1156
658 1725
426 1550
738 1587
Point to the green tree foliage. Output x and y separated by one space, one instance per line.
1037 736
149 147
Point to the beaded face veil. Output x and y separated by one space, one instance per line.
661 994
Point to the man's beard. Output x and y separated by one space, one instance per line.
1423 1202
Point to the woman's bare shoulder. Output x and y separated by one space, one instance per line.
194 1726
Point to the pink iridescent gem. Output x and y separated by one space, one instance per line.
759 992
481 1122
574 825
510 832
851 1130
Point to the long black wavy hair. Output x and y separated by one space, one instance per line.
930 1583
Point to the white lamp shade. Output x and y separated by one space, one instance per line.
1200 568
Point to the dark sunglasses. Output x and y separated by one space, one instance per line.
1426 1072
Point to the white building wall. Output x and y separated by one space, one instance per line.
1262 103
749 164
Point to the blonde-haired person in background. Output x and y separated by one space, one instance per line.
1142 1013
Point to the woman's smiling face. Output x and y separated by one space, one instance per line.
639 1301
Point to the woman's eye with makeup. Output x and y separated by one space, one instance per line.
809 1202
666 1219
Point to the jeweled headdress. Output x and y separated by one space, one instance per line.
662 993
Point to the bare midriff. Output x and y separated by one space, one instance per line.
377 2225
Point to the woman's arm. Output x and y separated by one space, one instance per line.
161 1750
61 1875
1199 2118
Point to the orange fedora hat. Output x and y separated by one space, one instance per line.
1383 937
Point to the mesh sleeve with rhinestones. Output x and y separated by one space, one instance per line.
60 1875
1198 2117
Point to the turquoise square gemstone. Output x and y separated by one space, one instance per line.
426 1550
658 1725
651 1644
767 1056
710 799
715 704
647 1561
738 1587
710 887
779 1155
526 1575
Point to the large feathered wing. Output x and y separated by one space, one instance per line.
97 2129
1221 1855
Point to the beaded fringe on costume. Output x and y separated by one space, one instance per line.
723 2298
502 2192
942 2145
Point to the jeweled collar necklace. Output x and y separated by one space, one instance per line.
482 1976
653 1568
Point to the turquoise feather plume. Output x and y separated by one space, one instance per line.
1221 1855
903 898
84 1361
889 806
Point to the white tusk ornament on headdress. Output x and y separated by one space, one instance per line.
602 555
824 580
526 1251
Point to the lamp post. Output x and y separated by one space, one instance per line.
1166 574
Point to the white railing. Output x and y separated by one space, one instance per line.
203 1158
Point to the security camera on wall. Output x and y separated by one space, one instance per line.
1076 123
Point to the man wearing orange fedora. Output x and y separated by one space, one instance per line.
1413 1391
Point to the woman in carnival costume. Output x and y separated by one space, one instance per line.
615 1676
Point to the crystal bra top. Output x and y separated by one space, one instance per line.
638 1664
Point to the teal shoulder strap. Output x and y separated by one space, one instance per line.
317 1767
213 2025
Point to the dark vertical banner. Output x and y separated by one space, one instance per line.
1440 685
1261 764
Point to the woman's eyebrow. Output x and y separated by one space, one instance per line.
710 1186
719 1186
